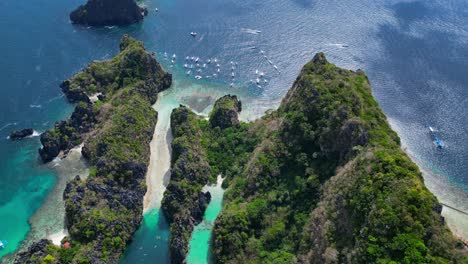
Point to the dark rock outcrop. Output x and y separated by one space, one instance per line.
73 95
67 134
35 251
108 13
225 112
183 226
15 135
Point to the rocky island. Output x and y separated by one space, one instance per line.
196 151
329 183
184 203
114 121
108 13
322 179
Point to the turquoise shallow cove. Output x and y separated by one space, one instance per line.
201 237
414 53
24 186
151 241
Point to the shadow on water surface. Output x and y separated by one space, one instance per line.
420 81
425 84
408 12
306 3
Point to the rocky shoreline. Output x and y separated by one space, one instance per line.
184 203
103 211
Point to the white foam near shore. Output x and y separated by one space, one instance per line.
56 238
218 185
35 133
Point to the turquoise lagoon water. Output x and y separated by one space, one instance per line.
24 192
199 252
151 241
414 53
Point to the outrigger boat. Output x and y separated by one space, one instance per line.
438 141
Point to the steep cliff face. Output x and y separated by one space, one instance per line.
328 183
184 203
225 112
200 152
133 66
103 211
108 13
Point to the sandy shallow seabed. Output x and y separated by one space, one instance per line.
49 221
200 98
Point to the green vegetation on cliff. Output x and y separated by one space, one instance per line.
328 183
132 71
104 210
184 202
201 150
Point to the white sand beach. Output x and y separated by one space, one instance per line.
158 174
57 237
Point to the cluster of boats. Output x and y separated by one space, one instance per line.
198 66
260 78
173 59
269 61
233 74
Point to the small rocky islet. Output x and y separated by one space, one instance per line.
20 134
108 13
322 179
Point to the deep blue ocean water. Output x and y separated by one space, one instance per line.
414 52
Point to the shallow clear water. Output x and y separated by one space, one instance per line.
24 186
201 237
151 241
415 53
152 238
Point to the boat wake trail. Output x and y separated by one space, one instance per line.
7 125
251 31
